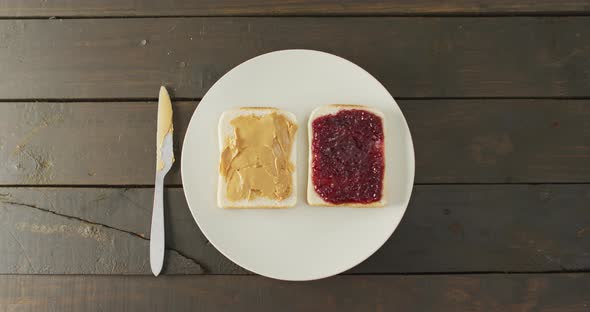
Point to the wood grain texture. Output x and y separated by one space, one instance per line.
447 228
84 143
39 238
456 141
412 57
503 140
44 226
15 8
522 292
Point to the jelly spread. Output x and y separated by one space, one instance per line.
348 157
255 161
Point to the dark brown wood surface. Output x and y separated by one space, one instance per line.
412 57
16 8
447 228
498 106
522 292
456 141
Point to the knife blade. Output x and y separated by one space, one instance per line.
164 161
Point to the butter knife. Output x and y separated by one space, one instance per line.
164 161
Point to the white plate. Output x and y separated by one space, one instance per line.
303 242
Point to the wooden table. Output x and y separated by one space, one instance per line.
496 94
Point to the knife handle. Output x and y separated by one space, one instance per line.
157 230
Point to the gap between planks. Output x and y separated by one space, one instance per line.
185 99
292 15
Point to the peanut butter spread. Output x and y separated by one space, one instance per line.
256 160
164 124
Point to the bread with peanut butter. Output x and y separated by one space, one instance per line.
257 153
346 156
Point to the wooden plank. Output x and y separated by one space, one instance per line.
413 57
496 292
44 242
15 8
489 228
108 227
505 141
447 228
456 141
84 143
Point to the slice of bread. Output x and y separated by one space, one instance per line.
226 131
313 198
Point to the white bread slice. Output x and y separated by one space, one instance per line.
225 129
313 198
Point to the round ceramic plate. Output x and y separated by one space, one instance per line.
303 242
